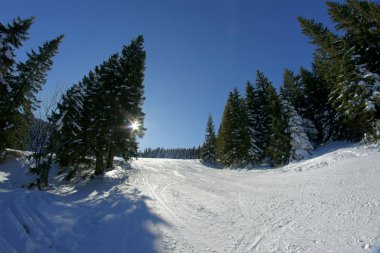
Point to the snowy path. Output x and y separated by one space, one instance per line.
328 204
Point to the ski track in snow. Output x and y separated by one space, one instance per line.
328 203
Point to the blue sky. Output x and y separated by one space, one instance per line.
197 50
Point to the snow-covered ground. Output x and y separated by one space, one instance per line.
328 203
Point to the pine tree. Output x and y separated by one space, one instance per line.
319 108
102 115
68 135
233 140
292 90
130 97
208 154
19 82
302 131
299 140
262 103
278 148
255 153
353 65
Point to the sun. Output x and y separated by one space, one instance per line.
134 125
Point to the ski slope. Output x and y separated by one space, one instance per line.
328 203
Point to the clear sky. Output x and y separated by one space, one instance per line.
197 50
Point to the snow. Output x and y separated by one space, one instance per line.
328 203
58 124
9 54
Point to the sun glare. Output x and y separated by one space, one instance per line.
134 125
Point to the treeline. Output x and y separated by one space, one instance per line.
338 99
174 153
96 119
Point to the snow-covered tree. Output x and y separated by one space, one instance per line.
278 146
262 104
350 65
298 127
317 113
252 112
299 140
102 115
20 81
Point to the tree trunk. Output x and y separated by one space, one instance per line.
99 162
47 167
110 157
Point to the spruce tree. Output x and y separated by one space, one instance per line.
292 90
70 140
319 108
352 64
252 111
233 140
262 103
294 105
129 95
102 115
20 81
300 144
208 154
278 148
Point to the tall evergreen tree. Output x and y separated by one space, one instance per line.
208 154
294 105
102 115
353 67
292 90
252 112
129 95
318 108
300 144
262 103
20 81
233 140
70 140
278 148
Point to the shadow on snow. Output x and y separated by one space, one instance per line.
104 215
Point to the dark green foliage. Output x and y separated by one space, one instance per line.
172 153
349 64
233 139
262 102
292 90
278 148
20 81
68 136
208 151
254 128
94 118
41 165
253 119
338 99
316 108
